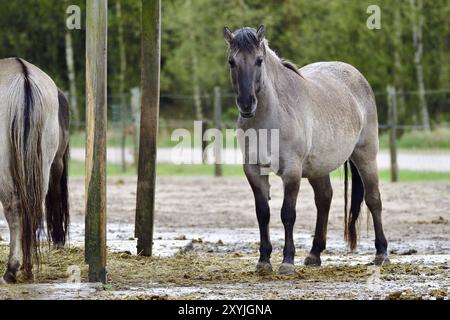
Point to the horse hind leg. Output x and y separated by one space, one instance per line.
56 203
14 270
323 194
368 170
53 206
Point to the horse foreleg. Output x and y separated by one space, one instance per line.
261 188
323 193
15 248
291 182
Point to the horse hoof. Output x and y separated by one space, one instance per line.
58 245
286 269
381 259
24 277
8 278
263 267
312 260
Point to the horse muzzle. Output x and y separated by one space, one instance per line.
247 115
247 107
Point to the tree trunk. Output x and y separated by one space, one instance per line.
398 68
121 76
194 59
197 92
72 78
444 75
418 46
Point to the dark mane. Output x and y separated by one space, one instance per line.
245 39
291 66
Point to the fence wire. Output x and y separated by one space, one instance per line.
178 111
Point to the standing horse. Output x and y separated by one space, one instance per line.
33 160
326 116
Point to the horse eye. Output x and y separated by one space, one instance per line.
231 63
259 62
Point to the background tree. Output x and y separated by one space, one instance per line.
194 52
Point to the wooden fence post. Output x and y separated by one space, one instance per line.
392 103
204 142
150 81
96 106
218 125
123 137
135 103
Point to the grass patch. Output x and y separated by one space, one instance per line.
77 169
404 175
411 176
420 139
412 140
163 169
114 140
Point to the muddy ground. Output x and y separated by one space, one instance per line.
207 246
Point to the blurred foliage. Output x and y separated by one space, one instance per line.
302 31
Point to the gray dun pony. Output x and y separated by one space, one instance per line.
34 122
326 116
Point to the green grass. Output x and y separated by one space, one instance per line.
78 139
411 176
114 139
404 175
77 170
420 139
411 140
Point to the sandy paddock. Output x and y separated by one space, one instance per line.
212 223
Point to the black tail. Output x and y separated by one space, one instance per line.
57 199
350 233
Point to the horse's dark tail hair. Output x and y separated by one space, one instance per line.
351 233
57 204
57 199
25 105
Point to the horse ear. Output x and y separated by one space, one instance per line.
261 33
228 35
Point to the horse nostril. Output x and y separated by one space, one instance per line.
246 101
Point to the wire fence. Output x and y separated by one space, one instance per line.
400 128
